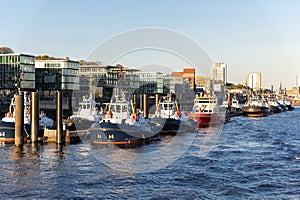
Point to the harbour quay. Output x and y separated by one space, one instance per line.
62 100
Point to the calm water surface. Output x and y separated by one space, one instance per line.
254 158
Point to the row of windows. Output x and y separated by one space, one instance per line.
72 65
96 69
70 72
60 64
52 65
16 68
26 84
11 59
70 79
57 86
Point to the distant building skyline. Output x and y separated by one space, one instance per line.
253 81
219 72
298 81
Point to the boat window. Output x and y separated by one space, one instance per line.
113 109
160 106
124 109
166 107
203 101
118 108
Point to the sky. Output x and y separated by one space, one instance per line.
249 36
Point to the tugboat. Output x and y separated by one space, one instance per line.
235 108
7 124
121 125
274 106
87 114
256 107
174 121
285 101
207 112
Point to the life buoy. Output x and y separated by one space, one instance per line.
134 116
108 115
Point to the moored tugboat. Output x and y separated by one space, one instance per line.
88 113
120 126
206 111
174 121
7 124
256 107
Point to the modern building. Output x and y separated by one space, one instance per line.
61 74
203 83
219 72
17 71
98 81
254 81
169 83
187 73
298 81
150 83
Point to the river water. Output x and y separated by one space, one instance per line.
252 158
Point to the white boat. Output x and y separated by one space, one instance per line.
256 106
171 118
7 124
207 112
88 113
284 100
235 107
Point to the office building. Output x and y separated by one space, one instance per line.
219 72
17 71
60 74
254 81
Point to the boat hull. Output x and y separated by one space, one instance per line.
171 126
82 124
205 120
275 109
120 134
7 132
256 111
234 111
289 107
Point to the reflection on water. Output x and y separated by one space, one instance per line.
252 158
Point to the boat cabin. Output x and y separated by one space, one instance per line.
204 104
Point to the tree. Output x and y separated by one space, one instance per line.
6 50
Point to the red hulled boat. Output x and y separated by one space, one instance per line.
207 112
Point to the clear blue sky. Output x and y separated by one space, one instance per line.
247 35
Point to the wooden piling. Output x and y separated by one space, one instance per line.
145 106
34 106
156 102
228 99
70 110
141 102
19 120
58 117
134 99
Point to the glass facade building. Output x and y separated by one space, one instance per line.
57 75
17 71
150 83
